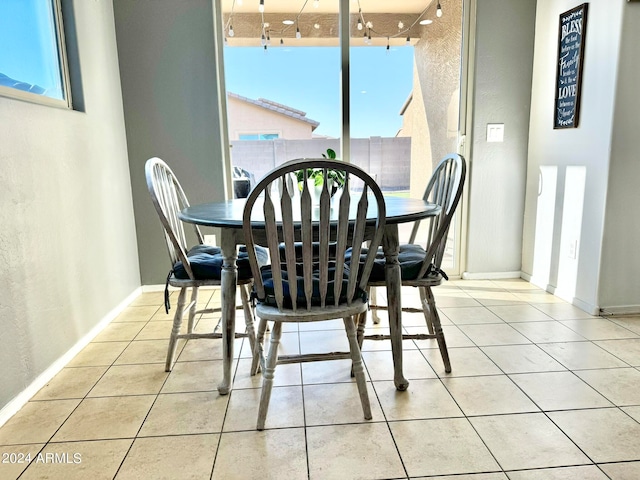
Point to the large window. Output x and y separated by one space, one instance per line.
32 57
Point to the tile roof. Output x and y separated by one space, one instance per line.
278 108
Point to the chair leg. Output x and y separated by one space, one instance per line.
268 374
258 351
248 318
360 322
360 327
177 323
373 304
435 320
426 309
193 309
358 369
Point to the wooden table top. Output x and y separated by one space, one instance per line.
229 214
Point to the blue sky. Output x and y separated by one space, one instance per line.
28 49
308 79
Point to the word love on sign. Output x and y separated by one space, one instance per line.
571 37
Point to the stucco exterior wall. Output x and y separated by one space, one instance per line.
245 118
434 110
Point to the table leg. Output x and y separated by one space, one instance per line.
391 247
229 279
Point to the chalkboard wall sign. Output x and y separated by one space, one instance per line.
571 37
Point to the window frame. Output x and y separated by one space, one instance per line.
56 10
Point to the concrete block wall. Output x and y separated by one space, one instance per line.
388 159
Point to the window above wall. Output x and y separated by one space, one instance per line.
33 64
258 136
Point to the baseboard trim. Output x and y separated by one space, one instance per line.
587 307
160 288
581 304
153 288
11 408
620 310
490 275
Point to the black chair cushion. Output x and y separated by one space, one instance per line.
301 301
410 258
206 263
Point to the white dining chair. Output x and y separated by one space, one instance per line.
421 259
299 288
199 266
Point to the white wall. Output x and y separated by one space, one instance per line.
565 211
619 286
67 244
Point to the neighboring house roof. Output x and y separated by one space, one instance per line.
6 81
278 108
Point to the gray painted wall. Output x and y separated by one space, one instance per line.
496 179
167 70
568 177
67 245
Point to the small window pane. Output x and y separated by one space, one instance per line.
30 53
258 136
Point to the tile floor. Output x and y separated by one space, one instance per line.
539 390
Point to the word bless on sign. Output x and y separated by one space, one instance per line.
571 37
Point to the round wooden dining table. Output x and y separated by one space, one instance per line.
227 216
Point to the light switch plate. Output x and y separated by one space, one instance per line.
495 132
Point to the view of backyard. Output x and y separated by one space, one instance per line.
283 67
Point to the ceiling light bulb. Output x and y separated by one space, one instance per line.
408 40
298 35
438 10
400 25
316 26
288 22
316 3
359 24
426 21
231 32
261 6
